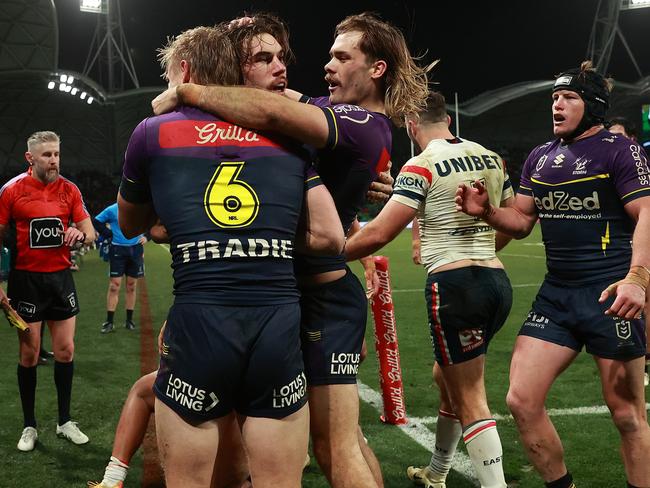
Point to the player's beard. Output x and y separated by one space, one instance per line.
48 175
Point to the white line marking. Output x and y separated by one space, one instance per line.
521 255
417 431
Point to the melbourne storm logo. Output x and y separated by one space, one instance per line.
45 232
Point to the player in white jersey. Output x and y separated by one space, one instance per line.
468 293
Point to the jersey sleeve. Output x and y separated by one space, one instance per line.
630 172
507 191
135 187
78 210
525 185
413 183
106 215
312 178
5 205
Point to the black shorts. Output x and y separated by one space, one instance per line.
466 307
332 330
217 359
43 296
572 317
127 260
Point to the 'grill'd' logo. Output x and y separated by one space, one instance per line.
45 232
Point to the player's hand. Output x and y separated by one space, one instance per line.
142 240
629 301
160 337
74 238
12 316
415 251
159 233
472 200
382 188
372 283
240 22
165 102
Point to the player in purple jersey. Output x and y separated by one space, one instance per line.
372 78
588 188
231 226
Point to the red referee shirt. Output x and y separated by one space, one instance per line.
42 214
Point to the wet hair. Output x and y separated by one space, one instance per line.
262 23
405 83
210 54
40 137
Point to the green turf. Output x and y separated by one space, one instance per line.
106 367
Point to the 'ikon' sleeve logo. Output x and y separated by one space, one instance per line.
45 232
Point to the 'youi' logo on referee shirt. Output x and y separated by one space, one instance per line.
45 232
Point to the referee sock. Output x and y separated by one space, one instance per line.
484 449
27 389
129 315
63 373
448 433
565 481
115 472
110 315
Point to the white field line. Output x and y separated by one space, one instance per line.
521 255
417 431
553 412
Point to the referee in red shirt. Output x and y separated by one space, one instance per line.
42 205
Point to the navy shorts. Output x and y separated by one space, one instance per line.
127 260
466 307
333 326
572 317
217 359
43 296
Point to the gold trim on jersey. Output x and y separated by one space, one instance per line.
336 127
633 192
579 180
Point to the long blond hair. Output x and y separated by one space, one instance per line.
405 83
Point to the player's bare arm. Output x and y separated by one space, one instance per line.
320 230
384 228
251 107
517 221
135 219
83 233
368 263
501 240
631 291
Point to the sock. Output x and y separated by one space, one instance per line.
129 315
27 389
110 315
448 433
565 481
115 472
63 373
484 449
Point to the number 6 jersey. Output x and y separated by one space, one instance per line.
230 199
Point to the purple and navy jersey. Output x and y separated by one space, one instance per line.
580 191
230 199
357 150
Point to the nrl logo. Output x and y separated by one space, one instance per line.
540 162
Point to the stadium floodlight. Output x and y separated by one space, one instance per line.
68 88
90 100
83 95
62 86
70 79
93 6
63 78
74 91
51 85
631 4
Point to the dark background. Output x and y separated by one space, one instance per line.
482 45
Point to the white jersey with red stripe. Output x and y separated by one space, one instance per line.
428 183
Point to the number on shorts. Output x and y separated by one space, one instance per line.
230 202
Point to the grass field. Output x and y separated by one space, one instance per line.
106 367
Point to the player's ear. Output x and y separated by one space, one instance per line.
185 69
29 158
378 69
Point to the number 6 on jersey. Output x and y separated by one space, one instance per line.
230 202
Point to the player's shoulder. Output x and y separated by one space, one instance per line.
15 182
68 185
